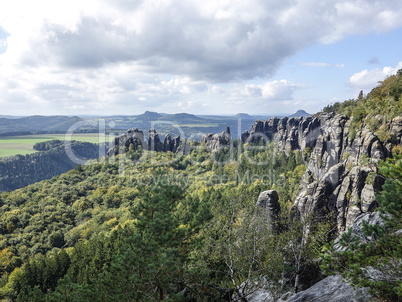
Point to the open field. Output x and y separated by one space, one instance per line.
13 145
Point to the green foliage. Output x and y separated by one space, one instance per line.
147 226
238 250
345 107
47 145
391 197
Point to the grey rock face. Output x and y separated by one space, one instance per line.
244 136
167 143
269 202
356 196
289 133
357 226
176 144
135 137
396 129
154 143
216 141
330 289
341 176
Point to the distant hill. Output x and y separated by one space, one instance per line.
245 116
149 116
300 113
38 123
9 116
183 118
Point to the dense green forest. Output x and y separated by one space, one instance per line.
149 226
168 216
21 170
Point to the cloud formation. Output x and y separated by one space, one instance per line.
99 53
368 79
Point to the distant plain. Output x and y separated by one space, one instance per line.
13 145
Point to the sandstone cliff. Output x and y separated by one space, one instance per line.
341 174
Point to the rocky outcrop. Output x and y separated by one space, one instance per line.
330 289
134 139
341 176
217 141
357 228
154 142
396 129
341 181
268 201
121 144
288 133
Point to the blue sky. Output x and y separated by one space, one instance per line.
204 57
344 58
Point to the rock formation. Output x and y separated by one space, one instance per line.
135 137
269 202
357 228
216 141
341 176
154 142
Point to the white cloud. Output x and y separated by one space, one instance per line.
257 98
104 54
367 79
279 90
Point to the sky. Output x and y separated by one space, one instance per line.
262 57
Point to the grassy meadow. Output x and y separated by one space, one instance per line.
13 145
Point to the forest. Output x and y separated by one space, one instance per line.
155 226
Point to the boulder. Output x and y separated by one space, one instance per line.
330 289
